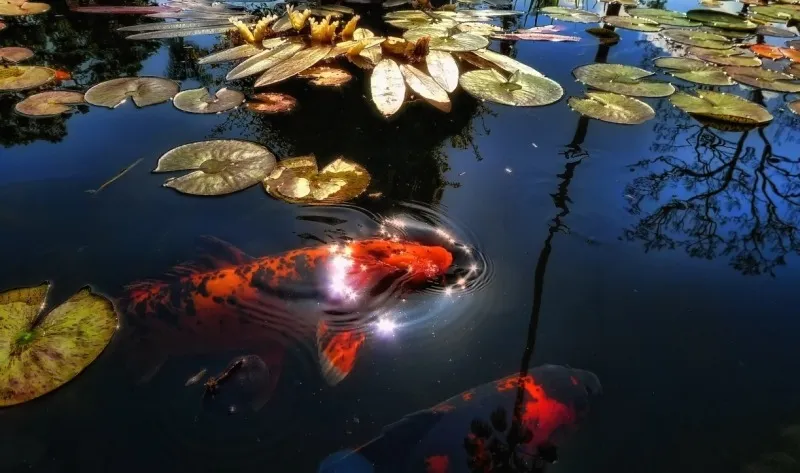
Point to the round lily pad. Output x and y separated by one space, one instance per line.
49 104
218 167
721 19
613 108
15 78
200 101
794 106
297 180
764 79
271 102
326 76
721 107
570 14
633 23
664 17
41 352
697 38
777 32
447 40
519 89
14 54
622 79
410 19
726 57
730 34
23 8
143 91
694 70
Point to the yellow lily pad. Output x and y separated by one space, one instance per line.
721 107
200 101
297 180
22 8
49 104
326 76
15 78
143 91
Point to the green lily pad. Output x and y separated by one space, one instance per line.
297 180
777 13
730 34
13 54
764 79
200 101
218 167
15 78
519 90
480 29
774 31
700 39
721 19
410 19
49 104
570 14
22 8
448 40
694 70
664 17
143 91
721 107
41 352
726 57
633 23
622 79
612 108
794 106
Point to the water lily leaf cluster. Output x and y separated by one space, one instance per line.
694 70
622 79
298 180
721 107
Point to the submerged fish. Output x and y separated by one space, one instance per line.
62 75
232 301
497 427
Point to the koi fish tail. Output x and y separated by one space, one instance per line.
337 349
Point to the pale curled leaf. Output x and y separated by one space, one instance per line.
443 69
294 65
424 86
264 60
388 87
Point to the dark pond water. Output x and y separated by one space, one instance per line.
662 257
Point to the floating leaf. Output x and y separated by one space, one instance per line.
663 17
231 54
794 106
143 91
182 32
271 102
122 10
264 60
520 36
721 19
14 54
218 167
721 107
200 101
768 30
362 33
296 180
427 88
487 13
326 76
40 353
793 70
443 40
570 14
482 29
697 38
730 34
613 108
726 57
503 62
791 54
294 65
606 35
632 23
416 19
622 79
777 13
764 79
443 69
520 89
765 50
388 87
49 104
795 44
23 8
14 78
694 70
174 25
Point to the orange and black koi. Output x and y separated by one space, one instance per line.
486 429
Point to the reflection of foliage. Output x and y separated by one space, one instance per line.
499 446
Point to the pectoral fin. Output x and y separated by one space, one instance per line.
337 351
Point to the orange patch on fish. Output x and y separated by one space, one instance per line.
467 395
437 464
62 75
540 413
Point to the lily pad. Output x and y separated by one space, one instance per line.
41 352
218 167
794 106
297 180
721 19
794 44
726 57
722 107
730 34
764 79
774 31
501 61
443 69
410 19
612 108
663 17
427 88
264 60
622 79
182 32
22 8
793 70
231 54
570 14
294 65
519 90
14 54
606 35
446 40
200 101
326 76
700 39
777 13
694 70
49 104
143 91
633 23
765 50
791 54
15 78
271 102
481 29
388 87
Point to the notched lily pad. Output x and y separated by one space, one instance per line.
697 38
13 54
326 76
40 352
612 108
694 70
218 167
297 180
271 102
622 79
22 8
764 79
633 23
721 19
143 91
726 57
200 101
49 104
720 107
519 89
663 17
14 78
570 14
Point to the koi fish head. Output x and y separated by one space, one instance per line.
421 263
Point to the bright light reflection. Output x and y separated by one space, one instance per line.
386 326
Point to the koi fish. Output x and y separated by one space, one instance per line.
62 76
519 418
232 301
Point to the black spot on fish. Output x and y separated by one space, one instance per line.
232 300
190 309
202 288
218 299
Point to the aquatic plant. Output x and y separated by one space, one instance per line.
299 180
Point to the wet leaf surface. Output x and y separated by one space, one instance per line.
519 89
632 23
264 60
443 68
793 70
49 104
326 76
143 91
764 79
612 108
482 29
201 101
622 79
423 85
721 107
40 353
697 38
663 17
13 54
720 19
730 34
294 65
271 102
777 12
726 57
218 167
571 15
502 62
296 180
694 70
388 87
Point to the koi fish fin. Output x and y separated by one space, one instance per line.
219 253
337 349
